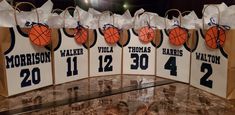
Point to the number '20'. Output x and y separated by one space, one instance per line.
26 74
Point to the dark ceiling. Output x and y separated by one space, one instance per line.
158 6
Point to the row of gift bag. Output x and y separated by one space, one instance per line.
40 56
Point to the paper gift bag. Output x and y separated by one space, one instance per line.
212 64
105 51
70 52
173 53
25 63
139 50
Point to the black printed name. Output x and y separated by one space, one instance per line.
105 49
139 49
71 52
208 58
173 52
27 59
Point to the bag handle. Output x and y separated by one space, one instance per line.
67 9
16 8
170 10
203 14
56 10
185 12
104 13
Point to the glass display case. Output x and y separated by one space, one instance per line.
125 95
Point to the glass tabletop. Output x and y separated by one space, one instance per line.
122 95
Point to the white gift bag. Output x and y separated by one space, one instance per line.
70 53
139 50
212 64
173 53
105 51
24 65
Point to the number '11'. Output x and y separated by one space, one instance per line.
71 72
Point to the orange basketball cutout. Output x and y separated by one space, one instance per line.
81 34
215 37
178 36
40 34
111 34
146 34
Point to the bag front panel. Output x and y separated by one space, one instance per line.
209 68
105 59
70 60
173 62
28 66
138 58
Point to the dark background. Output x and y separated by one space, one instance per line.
116 6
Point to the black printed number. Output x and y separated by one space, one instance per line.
204 80
139 61
171 65
71 72
25 74
108 60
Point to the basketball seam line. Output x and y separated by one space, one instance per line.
40 34
110 35
177 35
207 40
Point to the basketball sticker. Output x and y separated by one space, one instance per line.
146 34
81 35
40 35
178 36
215 37
111 34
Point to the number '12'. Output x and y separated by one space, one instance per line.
108 60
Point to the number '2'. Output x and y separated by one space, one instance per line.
204 80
